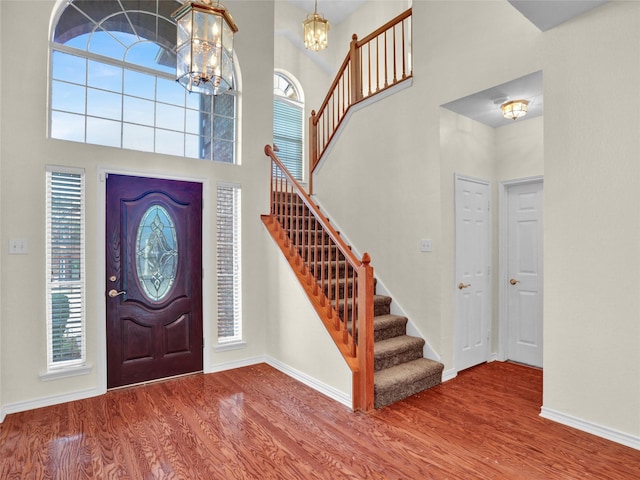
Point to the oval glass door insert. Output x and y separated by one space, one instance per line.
156 252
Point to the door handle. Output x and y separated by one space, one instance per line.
113 293
463 285
513 281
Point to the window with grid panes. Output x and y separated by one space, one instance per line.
229 299
113 83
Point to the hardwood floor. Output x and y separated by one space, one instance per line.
257 423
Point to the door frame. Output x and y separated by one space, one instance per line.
489 322
503 249
101 251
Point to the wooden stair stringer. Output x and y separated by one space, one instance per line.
318 299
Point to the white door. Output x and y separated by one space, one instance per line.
473 272
524 274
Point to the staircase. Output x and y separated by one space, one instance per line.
399 365
400 368
387 364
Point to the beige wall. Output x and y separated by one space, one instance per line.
389 182
25 150
592 230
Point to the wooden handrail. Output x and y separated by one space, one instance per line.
379 61
338 284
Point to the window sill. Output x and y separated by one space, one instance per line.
225 347
66 372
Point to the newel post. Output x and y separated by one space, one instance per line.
313 148
364 391
356 71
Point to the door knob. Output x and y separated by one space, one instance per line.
463 285
513 281
113 293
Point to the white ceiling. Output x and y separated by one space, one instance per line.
484 106
332 10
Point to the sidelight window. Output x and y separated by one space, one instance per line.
65 267
228 264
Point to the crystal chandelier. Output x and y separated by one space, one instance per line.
204 47
316 31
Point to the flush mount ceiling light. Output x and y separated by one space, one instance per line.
204 47
316 31
514 109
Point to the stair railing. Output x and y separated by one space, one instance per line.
338 284
377 62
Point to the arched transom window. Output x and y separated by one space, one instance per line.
288 110
113 68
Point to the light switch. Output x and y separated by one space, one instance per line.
18 246
425 245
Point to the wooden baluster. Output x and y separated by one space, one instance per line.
369 66
329 289
395 76
386 68
404 65
377 63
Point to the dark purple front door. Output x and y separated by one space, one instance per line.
154 279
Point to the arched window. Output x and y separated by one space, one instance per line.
288 111
113 83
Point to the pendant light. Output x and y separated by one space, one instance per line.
316 31
204 47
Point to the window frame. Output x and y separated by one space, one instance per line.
192 143
299 104
237 339
62 368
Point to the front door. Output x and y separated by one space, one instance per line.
524 273
154 279
473 272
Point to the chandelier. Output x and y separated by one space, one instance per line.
316 31
514 109
204 47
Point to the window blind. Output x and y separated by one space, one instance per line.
65 268
228 264
287 135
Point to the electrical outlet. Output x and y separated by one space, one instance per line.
18 246
425 245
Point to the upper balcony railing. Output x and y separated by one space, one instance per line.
375 63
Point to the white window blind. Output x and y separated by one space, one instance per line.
228 264
287 134
65 259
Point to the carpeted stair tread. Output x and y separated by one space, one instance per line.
393 351
392 346
387 321
399 382
388 326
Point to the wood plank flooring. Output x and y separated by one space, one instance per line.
257 423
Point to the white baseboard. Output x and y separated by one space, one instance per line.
449 374
321 387
592 428
47 401
245 362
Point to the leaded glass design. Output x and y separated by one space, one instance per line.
156 252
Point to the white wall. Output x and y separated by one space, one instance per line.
388 183
25 150
592 229
296 338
